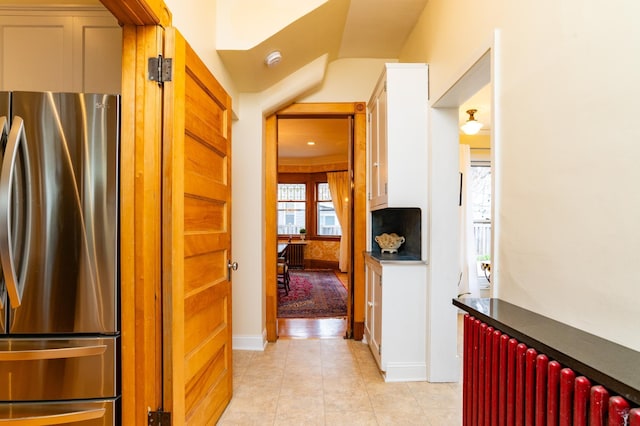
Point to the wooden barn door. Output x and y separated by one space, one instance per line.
196 244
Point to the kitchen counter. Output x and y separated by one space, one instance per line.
394 257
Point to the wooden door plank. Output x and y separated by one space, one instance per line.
197 243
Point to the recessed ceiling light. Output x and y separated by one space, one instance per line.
311 143
273 58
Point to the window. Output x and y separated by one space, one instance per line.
292 208
328 224
304 201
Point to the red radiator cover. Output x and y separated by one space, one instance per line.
506 383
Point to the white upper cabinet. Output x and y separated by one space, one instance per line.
398 137
60 51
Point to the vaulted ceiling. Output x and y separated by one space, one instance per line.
337 28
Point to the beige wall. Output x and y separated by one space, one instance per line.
568 237
323 250
565 79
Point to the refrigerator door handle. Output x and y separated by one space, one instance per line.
70 417
4 132
15 139
57 353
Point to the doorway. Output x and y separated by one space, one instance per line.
448 112
475 198
314 219
286 164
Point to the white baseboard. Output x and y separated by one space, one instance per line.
405 372
250 342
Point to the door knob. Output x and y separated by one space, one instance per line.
231 266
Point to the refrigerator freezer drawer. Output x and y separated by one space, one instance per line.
58 369
80 413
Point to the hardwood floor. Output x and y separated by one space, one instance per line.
308 328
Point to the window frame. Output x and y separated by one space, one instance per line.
311 180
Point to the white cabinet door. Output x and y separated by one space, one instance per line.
368 310
373 310
398 152
376 340
35 53
378 163
60 53
395 317
97 53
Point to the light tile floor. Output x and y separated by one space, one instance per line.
331 382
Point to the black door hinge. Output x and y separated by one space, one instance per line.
159 418
160 69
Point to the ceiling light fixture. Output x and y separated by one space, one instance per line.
472 126
311 143
273 58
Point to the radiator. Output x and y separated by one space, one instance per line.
295 255
507 383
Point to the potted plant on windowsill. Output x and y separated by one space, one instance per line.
303 234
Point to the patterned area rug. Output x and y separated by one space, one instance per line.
313 294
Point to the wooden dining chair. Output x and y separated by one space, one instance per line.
283 275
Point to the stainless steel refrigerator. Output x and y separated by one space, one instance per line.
59 287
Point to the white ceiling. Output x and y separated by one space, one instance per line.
331 137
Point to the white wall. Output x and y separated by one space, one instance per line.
248 226
568 233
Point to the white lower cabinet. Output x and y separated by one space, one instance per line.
395 317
